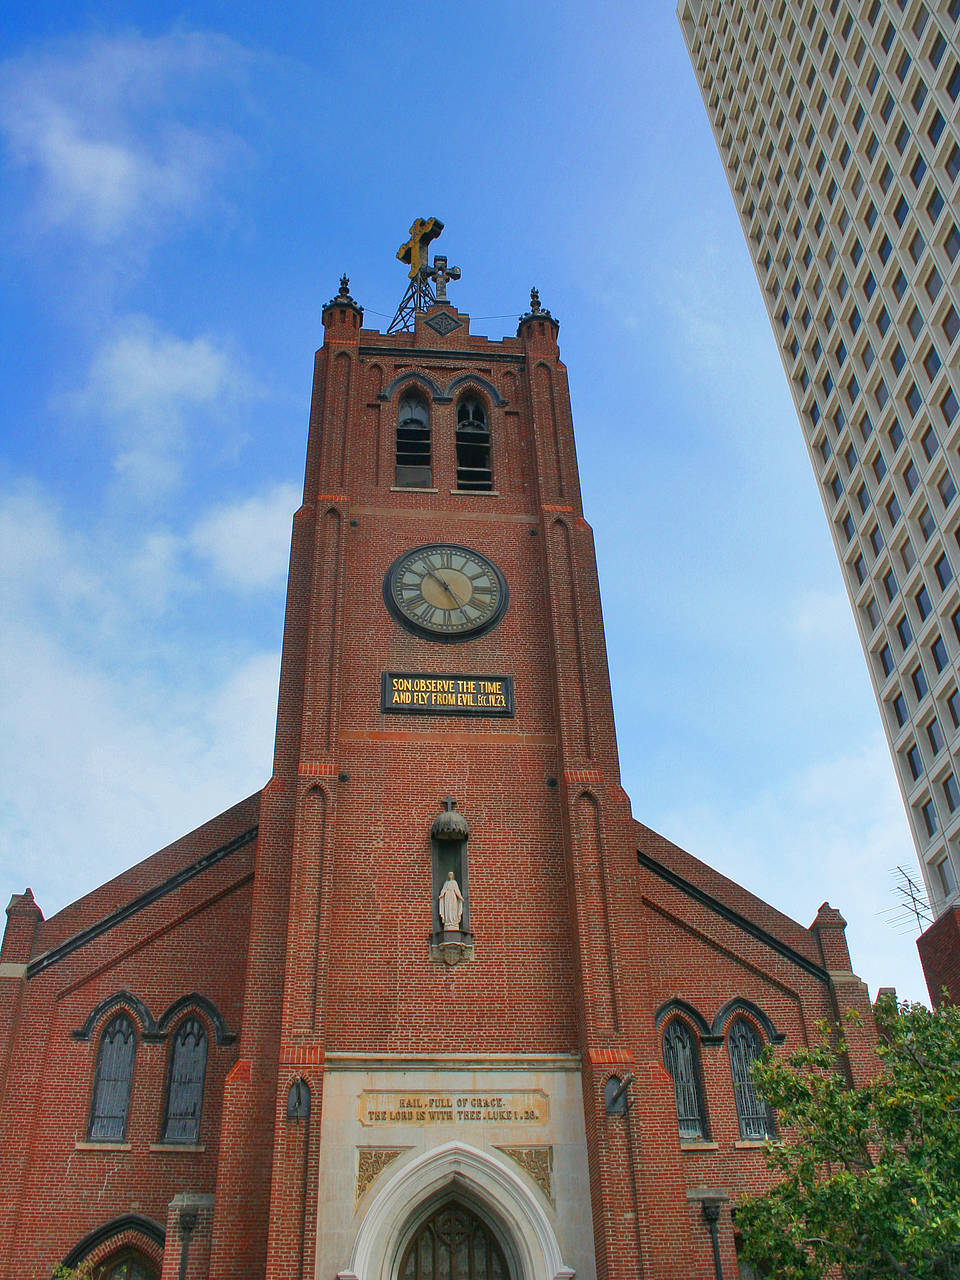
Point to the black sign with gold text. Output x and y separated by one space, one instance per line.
424 693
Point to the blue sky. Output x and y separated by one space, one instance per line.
182 188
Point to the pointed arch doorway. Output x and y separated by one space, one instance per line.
493 1212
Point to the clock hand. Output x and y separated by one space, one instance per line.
436 577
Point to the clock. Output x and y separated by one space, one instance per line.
445 592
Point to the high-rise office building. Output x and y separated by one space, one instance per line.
839 129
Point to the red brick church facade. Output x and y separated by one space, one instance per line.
259 1053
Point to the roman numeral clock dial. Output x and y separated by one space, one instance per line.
445 592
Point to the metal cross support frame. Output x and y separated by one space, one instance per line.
428 285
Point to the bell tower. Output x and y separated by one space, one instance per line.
438 914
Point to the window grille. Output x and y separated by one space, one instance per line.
188 1064
680 1059
112 1082
413 444
473 447
744 1046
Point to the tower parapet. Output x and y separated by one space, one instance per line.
343 315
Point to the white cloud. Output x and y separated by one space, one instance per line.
243 710
137 732
830 831
96 122
139 761
247 543
147 385
40 571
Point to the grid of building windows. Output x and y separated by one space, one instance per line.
838 122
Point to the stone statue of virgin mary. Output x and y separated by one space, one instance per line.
451 904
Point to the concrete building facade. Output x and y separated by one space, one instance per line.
838 127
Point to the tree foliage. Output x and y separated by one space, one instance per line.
870 1177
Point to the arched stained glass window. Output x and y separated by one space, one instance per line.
112 1081
454 1244
473 446
743 1044
413 444
130 1266
680 1059
188 1065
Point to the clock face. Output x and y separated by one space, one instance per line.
445 592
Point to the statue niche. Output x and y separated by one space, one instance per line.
450 938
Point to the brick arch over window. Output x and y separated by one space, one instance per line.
753 1013
473 381
412 382
687 1011
120 999
196 1001
131 1231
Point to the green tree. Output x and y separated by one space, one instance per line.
870 1177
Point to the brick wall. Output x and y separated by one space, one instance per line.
939 949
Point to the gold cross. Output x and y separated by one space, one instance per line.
422 231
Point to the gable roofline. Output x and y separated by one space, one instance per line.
719 908
43 962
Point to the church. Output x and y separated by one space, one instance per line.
432 1004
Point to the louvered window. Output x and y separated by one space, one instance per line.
473 447
680 1059
188 1065
744 1047
413 444
112 1082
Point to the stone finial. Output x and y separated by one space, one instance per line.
343 299
536 319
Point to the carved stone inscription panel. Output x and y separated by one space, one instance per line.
398 1106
